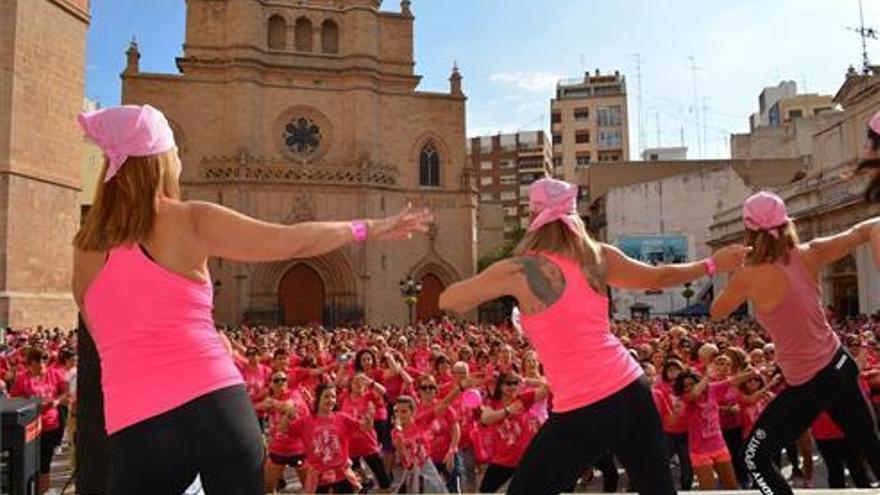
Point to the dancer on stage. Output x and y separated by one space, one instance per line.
175 404
781 278
601 402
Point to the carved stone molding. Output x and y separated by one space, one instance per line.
251 169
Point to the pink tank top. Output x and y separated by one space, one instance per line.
583 361
156 338
798 327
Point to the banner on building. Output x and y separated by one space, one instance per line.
655 249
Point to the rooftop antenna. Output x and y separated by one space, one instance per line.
641 137
696 107
705 111
865 33
659 129
583 63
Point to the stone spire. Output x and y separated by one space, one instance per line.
455 81
405 8
133 56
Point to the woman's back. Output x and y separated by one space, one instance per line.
153 325
584 362
789 306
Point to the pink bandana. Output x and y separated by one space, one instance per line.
126 131
551 200
765 211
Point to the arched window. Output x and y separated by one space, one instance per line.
303 35
429 165
329 37
277 33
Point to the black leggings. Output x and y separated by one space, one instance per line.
343 486
837 454
377 466
733 438
496 476
627 423
215 436
678 446
835 389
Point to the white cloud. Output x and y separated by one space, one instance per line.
529 81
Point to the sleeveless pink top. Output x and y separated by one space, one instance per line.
805 342
155 336
583 361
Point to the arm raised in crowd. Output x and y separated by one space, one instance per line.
627 273
225 233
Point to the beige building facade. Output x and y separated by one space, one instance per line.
588 122
42 80
291 112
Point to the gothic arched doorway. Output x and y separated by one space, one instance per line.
301 296
429 300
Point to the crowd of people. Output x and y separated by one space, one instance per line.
448 407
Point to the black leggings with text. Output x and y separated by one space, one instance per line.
626 423
216 436
834 389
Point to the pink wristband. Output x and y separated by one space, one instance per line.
710 265
359 230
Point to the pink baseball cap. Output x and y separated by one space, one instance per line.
130 130
551 200
765 211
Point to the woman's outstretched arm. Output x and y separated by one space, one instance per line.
492 283
225 233
827 250
627 273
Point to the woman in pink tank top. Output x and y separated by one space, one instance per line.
175 404
781 279
559 277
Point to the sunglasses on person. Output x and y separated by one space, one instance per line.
428 388
279 379
512 383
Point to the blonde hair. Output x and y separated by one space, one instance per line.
768 249
556 237
124 209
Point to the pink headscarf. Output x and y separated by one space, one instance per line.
551 200
126 131
765 211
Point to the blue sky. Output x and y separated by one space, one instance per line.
512 52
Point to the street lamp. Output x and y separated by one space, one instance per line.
410 290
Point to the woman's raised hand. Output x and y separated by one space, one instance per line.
401 226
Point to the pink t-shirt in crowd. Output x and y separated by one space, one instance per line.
704 423
513 434
46 387
440 430
256 379
728 396
414 441
363 443
281 441
327 441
